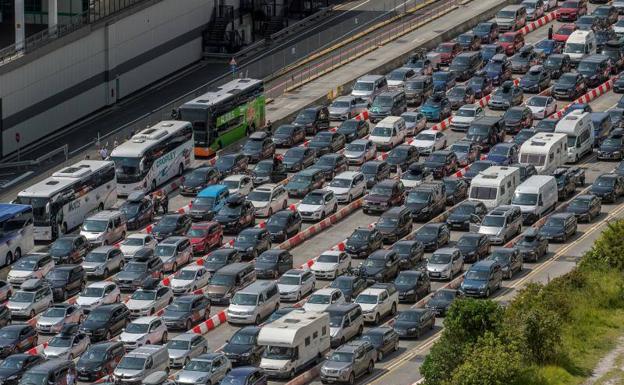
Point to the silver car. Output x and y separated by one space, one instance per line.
148 300
206 369
347 107
59 315
184 347
34 297
67 346
360 151
445 263
414 122
102 260
348 362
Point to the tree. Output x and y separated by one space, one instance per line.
441 361
608 250
469 319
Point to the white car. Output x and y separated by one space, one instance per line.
542 106
387 137
57 316
144 331
295 284
549 5
428 141
317 204
189 279
98 293
238 184
414 122
377 302
148 301
32 266
331 264
445 263
320 300
135 242
348 185
268 199
465 115
66 346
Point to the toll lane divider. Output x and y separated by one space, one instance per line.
552 16
211 323
589 96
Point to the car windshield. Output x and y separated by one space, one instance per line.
499 150
259 196
341 183
180 307
366 299
440 258
9 333
98 316
450 185
322 137
179 345
493 221
428 230
374 262
387 222
580 203
360 235
413 174
97 257
381 190
524 199
477 275
277 221
457 92
437 158
243 339
95 225
500 256
588 67
505 14
289 280
62 246
54 312
60 342
444 48
94 292
425 137
418 197
415 85
405 279
328 258
197 232
13 362
382 131
537 101
441 76
605 182
468 241
144 295
165 250
553 62
544 44
137 328
612 142
94 354
231 184
58 275
464 209
245 299
23 296
186 275
136 267
305 179
466 112
396 75
313 199
411 316
335 321
383 101
25 264
478 130
34 378
554 222
574 48
199 366
225 162
201 202
168 221
131 363
197 176
285 130
363 86
348 126
294 153
341 357
319 299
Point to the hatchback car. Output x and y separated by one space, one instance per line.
268 199
252 242
294 284
532 245
204 369
442 300
103 260
185 347
232 164
199 179
433 235
186 311
504 154
331 165
287 135
149 299
559 227
473 247
56 317
354 129
31 266
283 225
384 195
327 142
171 225
509 259
16 339
410 252
585 207
272 263
144 331
33 297
98 294
317 205
69 249
506 96
363 241
445 263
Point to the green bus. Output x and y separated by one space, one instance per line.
225 115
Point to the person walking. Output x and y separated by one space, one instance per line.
103 153
550 32
164 202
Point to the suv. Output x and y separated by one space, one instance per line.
98 293
102 260
387 193
268 199
106 321
426 201
313 119
509 258
252 242
259 146
149 299
394 224
174 252
144 265
236 214
144 331
349 362
363 241
104 228
482 279
412 285
317 204
502 224
31 266
378 301
380 266
185 311
66 280
331 165
69 249
32 298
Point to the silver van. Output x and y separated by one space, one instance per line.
511 18
105 228
345 322
369 86
136 365
501 224
254 303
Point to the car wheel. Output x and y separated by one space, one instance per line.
118 299
165 337
487 292
186 361
371 367
32 314
257 319
188 324
377 319
350 198
379 356
174 267
335 209
109 335
351 379
360 330
393 309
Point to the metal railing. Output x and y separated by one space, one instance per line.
64 149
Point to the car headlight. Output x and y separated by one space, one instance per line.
411 330
201 379
409 292
246 354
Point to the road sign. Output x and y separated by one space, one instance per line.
18 137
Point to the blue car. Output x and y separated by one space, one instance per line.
208 202
480 84
620 103
548 47
245 375
437 107
488 51
503 154
498 69
443 80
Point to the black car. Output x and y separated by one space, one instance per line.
441 300
331 165
171 225
395 224
524 135
313 119
505 96
612 148
375 171
517 118
535 80
456 190
106 321
488 31
243 348
559 227
380 266
269 171
466 152
272 263
383 338
298 158
259 146
476 168
66 281
236 214
460 95
465 213
433 235
143 265
418 89
416 173
585 207
220 258
558 64
5 315
526 57
441 163
138 210
353 129
69 249
608 187
569 86
509 258
363 241
231 164
412 285
252 242
480 84
287 135
17 339
402 156
13 367
199 179
99 360
349 285
532 245
414 322
473 246
186 311
283 225
410 252
327 142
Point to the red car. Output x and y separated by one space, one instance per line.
562 34
511 41
570 10
448 51
205 236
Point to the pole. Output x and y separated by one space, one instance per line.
20 26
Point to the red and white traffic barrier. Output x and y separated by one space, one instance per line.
532 26
37 349
211 323
589 96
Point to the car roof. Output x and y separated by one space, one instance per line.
185 337
446 250
347 175
212 191
297 272
15 327
561 215
252 230
101 284
188 298
65 267
267 187
243 371
145 320
326 290
172 240
236 177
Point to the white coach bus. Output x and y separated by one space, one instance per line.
153 156
61 202
17 232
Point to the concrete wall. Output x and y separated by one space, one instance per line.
93 67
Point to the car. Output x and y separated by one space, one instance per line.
99 360
441 301
466 152
247 375
298 158
469 41
348 362
412 285
414 322
612 148
354 129
608 14
546 125
532 245
569 86
13 367
138 209
465 115
548 47
559 227
32 298
106 321
416 175
617 117
363 241
283 225
476 168
487 31
149 299
473 246
524 58
414 122
482 279
456 190
349 286
186 311
187 346
236 214
69 249
66 281
395 224
442 163
433 235
488 51
541 107
436 107
15 339
208 202
331 165
128 248
460 95
418 89
288 135
239 184
466 213
321 299
608 187
448 51
229 164
535 80
269 171
498 69
31 266
313 119
144 331
570 10
428 141
208 368
330 264
68 344
348 185
326 142
589 23
565 30
384 339
360 151
383 195
509 259
267 199
199 179
506 96
397 77
305 181
56 317
585 207
259 146
511 42
295 284
410 252
534 8
219 258
144 265
205 236
504 153
252 242
443 81
381 266
97 294
174 252
272 263
566 183
375 171
480 84
445 263
402 156
170 225
242 348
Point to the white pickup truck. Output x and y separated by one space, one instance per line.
378 301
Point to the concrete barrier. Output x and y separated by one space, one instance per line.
306 376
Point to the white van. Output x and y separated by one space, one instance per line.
254 303
389 133
293 342
536 197
495 185
546 151
579 45
578 126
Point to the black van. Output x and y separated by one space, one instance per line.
394 224
418 89
466 64
486 131
390 103
314 119
52 372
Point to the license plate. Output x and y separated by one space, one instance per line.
434 274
